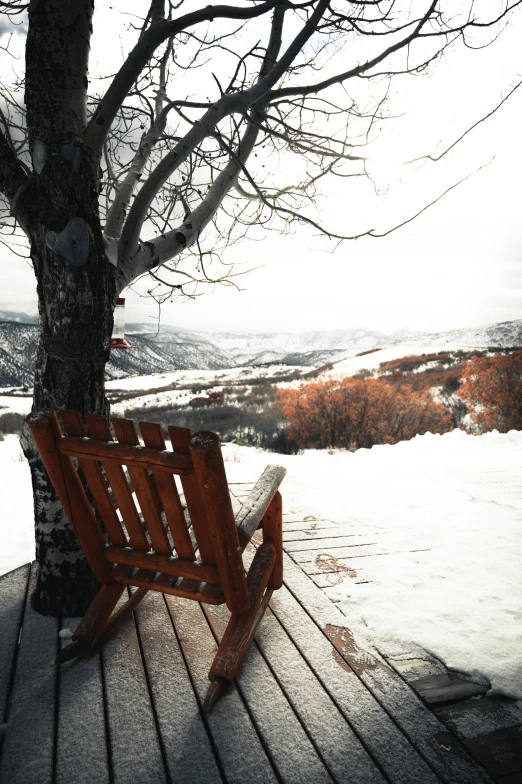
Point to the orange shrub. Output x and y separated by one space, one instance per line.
492 387
354 413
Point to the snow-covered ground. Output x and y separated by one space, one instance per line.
447 510
455 496
16 513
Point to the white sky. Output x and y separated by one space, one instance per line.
459 264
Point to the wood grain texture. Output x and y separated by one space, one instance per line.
144 489
238 746
75 426
27 751
273 532
12 599
241 628
135 746
188 749
176 567
180 440
100 430
258 501
91 626
81 742
168 494
208 463
92 449
47 435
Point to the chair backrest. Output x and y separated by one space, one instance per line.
153 534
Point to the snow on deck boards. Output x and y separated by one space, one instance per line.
309 706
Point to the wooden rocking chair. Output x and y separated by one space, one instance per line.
156 548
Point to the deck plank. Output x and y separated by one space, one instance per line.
188 751
347 759
236 741
330 542
27 754
294 755
12 600
81 742
382 689
134 744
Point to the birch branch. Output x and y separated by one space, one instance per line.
102 119
228 104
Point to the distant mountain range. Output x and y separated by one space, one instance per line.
180 349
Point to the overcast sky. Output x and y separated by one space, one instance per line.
457 265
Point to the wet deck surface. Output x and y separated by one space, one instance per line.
308 708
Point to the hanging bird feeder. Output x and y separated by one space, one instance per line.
118 336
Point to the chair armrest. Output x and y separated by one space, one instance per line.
255 506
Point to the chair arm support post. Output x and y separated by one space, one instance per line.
241 628
272 523
253 510
207 459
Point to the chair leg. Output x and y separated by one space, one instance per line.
273 532
241 628
98 620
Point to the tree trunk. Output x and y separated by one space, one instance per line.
76 291
75 324
59 212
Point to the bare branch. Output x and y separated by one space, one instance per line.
102 119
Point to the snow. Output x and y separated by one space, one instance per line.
444 514
16 518
506 334
448 510
16 404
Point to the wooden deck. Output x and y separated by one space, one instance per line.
309 707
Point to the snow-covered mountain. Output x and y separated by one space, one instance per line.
183 349
505 334
260 348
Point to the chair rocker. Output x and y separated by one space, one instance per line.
155 547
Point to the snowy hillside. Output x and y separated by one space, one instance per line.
180 350
258 348
506 334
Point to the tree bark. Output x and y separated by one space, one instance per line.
76 299
60 213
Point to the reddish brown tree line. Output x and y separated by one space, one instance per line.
353 412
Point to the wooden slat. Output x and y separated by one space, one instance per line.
13 588
500 752
91 626
141 481
180 440
348 761
47 435
240 629
294 755
99 428
208 464
177 567
188 751
273 532
27 753
96 481
385 712
237 743
92 449
81 740
327 543
258 502
188 589
135 746
168 494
